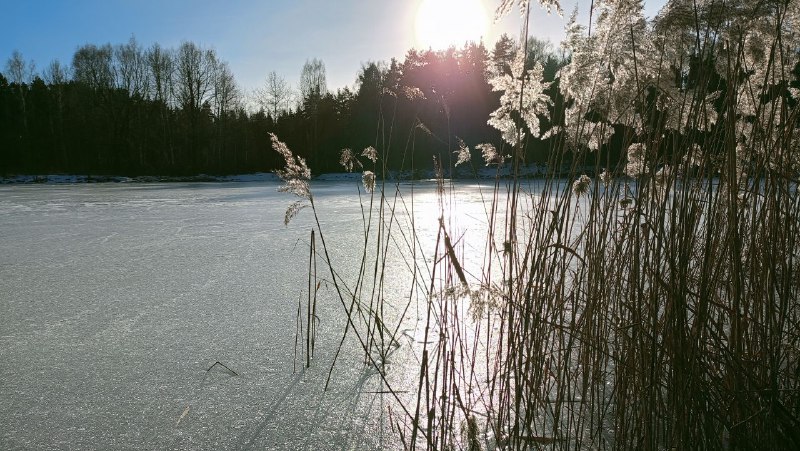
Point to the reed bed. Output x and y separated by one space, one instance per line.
644 303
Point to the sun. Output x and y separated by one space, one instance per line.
444 23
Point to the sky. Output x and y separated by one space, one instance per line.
257 37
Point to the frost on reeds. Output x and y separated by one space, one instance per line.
527 86
368 178
348 160
463 155
658 315
662 314
370 153
506 6
490 154
292 211
581 185
295 176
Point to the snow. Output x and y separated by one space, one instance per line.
70 179
116 298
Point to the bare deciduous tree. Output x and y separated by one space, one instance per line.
19 71
194 75
161 70
57 76
55 73
313 84
20 74
92 66
225 94
131 70
275 96
313 88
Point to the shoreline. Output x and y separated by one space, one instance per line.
483 173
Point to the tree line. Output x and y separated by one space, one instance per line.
128 110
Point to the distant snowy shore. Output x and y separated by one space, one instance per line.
460 173
67 179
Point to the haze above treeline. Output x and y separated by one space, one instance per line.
127 110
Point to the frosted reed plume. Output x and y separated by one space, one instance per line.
348 160
370 153
463 155
581 185
295 174
368 178
490 154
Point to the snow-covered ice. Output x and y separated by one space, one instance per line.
116 298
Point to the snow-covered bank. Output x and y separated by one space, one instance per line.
481 172
67 179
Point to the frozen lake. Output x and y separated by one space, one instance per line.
115 299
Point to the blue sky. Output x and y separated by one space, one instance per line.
254 37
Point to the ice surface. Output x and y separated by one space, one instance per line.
116 298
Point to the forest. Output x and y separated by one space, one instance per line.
127 110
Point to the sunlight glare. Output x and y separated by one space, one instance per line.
444 23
